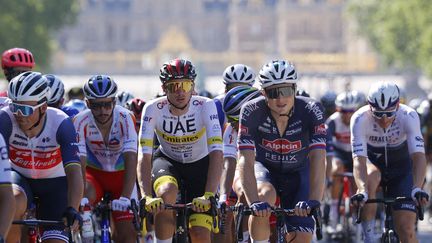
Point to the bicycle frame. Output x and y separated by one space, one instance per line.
35 224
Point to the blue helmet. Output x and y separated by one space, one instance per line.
100 86
236 97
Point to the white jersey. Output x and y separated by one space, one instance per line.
122 138
186 138
366 132
5 169
339 132
230 142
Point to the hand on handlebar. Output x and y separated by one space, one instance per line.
260 209
359 199
202 204
303 208
153 205
420 196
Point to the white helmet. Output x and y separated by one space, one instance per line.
277 72
29 86
383 95
123 97
239 73
350 100
56 89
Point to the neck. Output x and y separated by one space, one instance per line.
178 112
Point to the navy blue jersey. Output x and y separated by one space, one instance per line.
305 131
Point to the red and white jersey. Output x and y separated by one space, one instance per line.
339 132
45 155
230 142
122 138
186 138
4 102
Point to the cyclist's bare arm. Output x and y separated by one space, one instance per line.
130 173
317 174
75 184
144 174
328 166
247 175
419 168
360 172
7 208
227 175
83 160
214 170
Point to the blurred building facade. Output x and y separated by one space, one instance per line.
137 36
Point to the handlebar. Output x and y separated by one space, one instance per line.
390 201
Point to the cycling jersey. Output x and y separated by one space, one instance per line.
219 100
122 139
5 176
4 102
367 135
339 133
186 138
305 131
70 111
230 142
45 155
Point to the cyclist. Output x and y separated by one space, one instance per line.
76 104
123 98
107 142
189 155
75 93
234 75
41 142
281 152
233 101
136 105
7 201
388 134
14 62
302 92
55 97
328 102
338 128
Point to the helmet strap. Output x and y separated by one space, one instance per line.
41 115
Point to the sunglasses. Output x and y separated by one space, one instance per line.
381 114
233 118
347 111
274 93
25 110
173 87
99 105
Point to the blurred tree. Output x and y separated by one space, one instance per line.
31 24
400 31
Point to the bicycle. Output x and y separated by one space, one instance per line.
389 234
349 229
280 213
33 228
181 234
102 223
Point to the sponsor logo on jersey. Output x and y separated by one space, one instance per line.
147 119
320 129
294 131
160 105
264 129
419 139
114 142
181 139
214 117
35 159
20 137
46 139
282 146
98 143
312 106
184 126
24 144
197 102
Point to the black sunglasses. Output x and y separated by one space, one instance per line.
99 105
285 91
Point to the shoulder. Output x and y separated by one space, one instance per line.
158 103
361 115
123 112
408 111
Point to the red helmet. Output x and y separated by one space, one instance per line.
177 69
17 57
136 105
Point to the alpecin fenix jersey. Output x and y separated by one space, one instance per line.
122 138
186 138
287 153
